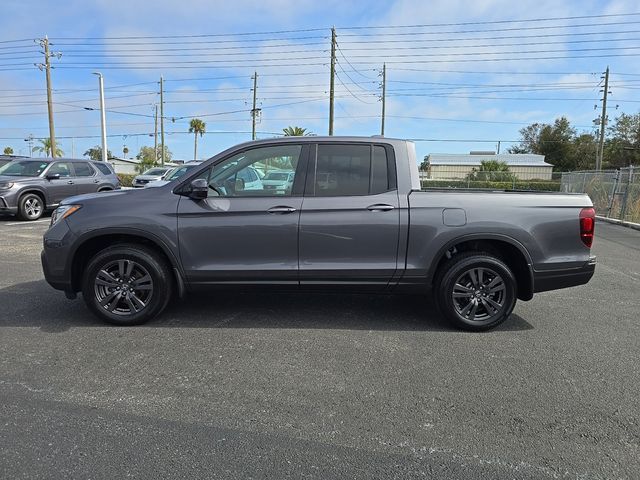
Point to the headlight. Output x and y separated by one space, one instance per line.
63 211
6 185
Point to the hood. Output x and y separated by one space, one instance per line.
156 183
98 195
9 178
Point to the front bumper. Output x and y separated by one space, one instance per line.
555 279
55 255
6 205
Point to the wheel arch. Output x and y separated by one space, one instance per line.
36 191
90 244
506 248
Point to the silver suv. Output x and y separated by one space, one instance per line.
29 187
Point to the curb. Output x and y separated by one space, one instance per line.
615 221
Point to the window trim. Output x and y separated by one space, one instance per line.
313 166
298 182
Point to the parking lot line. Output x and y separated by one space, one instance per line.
12 224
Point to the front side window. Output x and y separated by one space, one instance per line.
237 176
347 170
60 168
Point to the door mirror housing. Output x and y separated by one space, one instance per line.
199 189
53 176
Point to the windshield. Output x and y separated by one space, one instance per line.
277 176
178 172
25 168
155 171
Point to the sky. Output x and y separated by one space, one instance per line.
461 75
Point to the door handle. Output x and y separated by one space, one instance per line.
281 209
96 181
380 207
70 182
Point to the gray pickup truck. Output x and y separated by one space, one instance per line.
353 218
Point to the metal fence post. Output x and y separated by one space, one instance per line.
623 211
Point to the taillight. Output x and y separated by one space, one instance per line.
587 225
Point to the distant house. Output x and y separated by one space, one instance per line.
525 166
125 166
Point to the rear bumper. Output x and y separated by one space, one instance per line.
556 279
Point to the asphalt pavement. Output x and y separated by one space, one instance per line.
240 386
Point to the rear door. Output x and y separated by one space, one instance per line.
350 221
86 178
63 187
242 233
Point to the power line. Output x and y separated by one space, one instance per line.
491 22
207 35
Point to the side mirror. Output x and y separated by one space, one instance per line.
53 176
199 189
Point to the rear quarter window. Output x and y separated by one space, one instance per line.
103 168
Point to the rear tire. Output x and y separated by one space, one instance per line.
30 207
475 291
127 284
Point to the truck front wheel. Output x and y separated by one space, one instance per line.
127 284
475 291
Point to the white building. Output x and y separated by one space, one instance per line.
125 166
525 166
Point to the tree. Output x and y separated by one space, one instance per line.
95 153
8 151
295 132
623 148
492 170
197 127
45 147
148 157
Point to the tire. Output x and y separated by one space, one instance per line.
475 291
30 207
127 284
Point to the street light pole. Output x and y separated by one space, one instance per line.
102 116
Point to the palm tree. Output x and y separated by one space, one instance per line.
45 147
295 132
197 127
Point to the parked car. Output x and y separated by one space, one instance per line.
280 182
150 175
29 187
173 174
356 218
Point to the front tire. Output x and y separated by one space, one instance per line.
30 207
475 291
127 284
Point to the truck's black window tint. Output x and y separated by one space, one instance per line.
343 170
83 169
379 173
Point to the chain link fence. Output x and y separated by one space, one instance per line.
615 193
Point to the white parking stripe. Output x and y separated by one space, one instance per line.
46 220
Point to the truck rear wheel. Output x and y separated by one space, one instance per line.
475 291
127 284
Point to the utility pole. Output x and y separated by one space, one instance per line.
29 139
254 111
47 68
155 135
384 95
103 120
603 120
498 149
333 74
161 121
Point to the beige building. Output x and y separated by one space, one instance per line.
449 166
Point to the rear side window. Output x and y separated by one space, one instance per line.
103 168
83 169
346 170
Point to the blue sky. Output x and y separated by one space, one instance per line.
437 91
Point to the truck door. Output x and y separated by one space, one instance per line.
350 219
